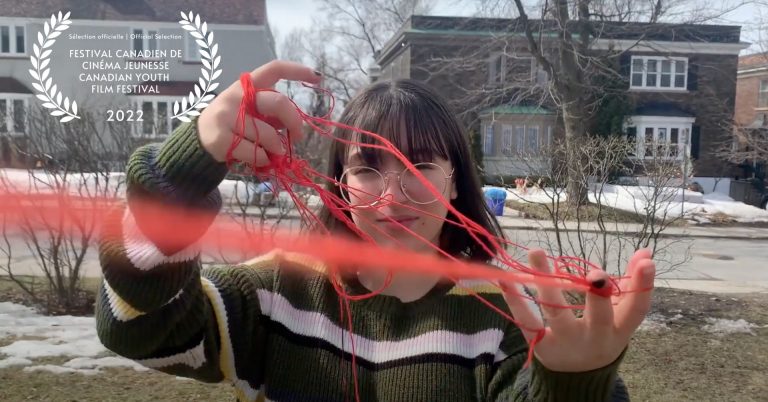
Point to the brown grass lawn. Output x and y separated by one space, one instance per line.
682 363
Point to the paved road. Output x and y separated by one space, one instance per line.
708 264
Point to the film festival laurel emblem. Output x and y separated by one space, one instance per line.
66 110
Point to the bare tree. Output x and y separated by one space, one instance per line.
559 65
74 164
345 37
595 233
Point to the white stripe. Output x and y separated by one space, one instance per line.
121 310
317 325
194 358
143 254
226 354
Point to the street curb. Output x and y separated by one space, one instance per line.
583 230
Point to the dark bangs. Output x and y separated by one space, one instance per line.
418 122
397 115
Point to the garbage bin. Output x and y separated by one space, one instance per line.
495 198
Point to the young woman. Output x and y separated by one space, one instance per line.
272 327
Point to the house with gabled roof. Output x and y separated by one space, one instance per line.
146 29
680 80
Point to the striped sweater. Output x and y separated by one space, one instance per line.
272 328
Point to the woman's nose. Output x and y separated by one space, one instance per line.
392 189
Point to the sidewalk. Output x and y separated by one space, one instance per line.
511 222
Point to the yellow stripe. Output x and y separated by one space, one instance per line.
226 353
465 291
275 257
120 308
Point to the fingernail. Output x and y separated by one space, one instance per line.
317 73
598 284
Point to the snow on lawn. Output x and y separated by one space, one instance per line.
51 336
720 326
671 202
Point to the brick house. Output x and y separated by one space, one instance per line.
241 32
752 91
680 81
752 106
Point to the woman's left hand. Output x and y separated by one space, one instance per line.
596 339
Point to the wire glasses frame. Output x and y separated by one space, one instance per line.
371 183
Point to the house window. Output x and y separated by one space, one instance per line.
496 65
762 95
191 48
488 140
13 114
668 139
144 39
548 141
12 39
520 139
157 118
533 139
538 74
662 73
507 134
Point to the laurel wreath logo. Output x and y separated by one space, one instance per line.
40 71
198 98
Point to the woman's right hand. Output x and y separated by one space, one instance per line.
217 122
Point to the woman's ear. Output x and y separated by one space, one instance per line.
454 193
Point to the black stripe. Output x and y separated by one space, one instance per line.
279 329
175 350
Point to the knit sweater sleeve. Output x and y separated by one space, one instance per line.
536 383
156 304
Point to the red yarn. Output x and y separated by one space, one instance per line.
174 228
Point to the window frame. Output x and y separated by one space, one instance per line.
537 131
501 75
507 139
658 73
661 127
12 43
144 41
488 133
9 122
762 94
137 129
187 54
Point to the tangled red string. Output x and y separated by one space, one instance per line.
288 170
175 227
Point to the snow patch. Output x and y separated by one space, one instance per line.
720 326
655 322
54 336
14 361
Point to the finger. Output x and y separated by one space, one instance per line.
278 105
259 132
550 298
598 311
624 282
528 321
269 74
636 304
248 152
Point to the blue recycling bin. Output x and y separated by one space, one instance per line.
495 198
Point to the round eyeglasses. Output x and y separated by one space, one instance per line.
363 186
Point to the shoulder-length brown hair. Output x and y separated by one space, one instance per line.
417 121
